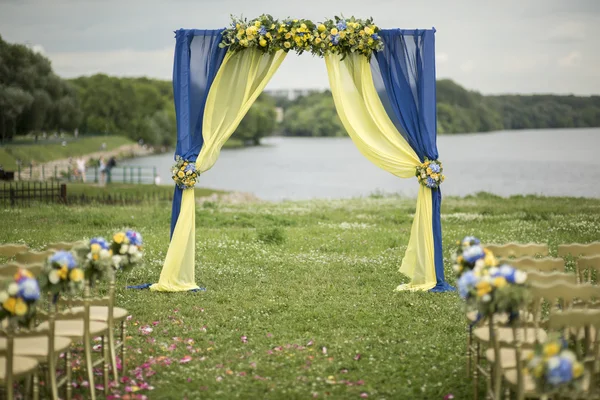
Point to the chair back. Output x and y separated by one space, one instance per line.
518 249
64 246
535 264
32 257
546 278
588 269
9 269
9 250
579 249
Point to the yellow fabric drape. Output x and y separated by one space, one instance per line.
240 80
376 137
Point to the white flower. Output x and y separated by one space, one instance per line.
104 254
520 277
53 277
116 259
553 362
124 248
89 256
133 249
568 355
486 298
506 270
493 271
3 296
13 289
455 267
480 263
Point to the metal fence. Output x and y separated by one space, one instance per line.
125 174
24 193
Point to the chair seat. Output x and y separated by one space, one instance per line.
507 356
21 366
73 328
100 313
526 336
36 347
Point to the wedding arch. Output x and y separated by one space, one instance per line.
383 85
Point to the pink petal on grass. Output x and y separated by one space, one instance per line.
172 347
449 396
242 373
244 339
146 330
364 395
185 359
324 350
219 378
269 335
310 343
357 357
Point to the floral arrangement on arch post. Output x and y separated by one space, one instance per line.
554 367
19 298
430 173
334 36
184 173
484 285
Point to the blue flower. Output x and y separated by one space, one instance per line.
262 30
470 240
335 39
431 182
300 34
29 290
375 36
134 237
64 258
191 167
341 25
465 283
434 167
559 371
101 241
507 272
473 254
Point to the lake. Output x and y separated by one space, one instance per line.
558 162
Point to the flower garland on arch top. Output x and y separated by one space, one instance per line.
184 173
337 36
429 173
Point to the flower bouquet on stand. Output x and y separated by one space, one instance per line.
61 273
95 257
484 285
554 367
19 298
126 248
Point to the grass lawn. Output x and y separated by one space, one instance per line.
299 301
44 152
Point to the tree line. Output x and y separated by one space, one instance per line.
34 99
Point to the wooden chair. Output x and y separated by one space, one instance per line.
518 249
12 268
568 321
536 277
65 246
578 249
535 264
32 257
104 310
587 267
79 327
10 250
14 368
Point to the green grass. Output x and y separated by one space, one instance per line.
297 277
44 152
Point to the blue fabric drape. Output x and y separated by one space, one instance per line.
404 75
197 60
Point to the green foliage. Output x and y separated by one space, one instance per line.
260 121
274 235
313 115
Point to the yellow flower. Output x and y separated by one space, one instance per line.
287 45
342 34
577 370
551 349
251 30
20 307
443 178
76 275
483 288
263 43
368 30
323 36
269 35
434 176
64 271
273 26
429 171
119 237
361 33
460 259
303 26
538 370
334 31
489 260
288 35
370 41
352 42
237 26
318 40
500 282
321 28
180 173
298 39
95 257
9 304
95 248
295 20
257 24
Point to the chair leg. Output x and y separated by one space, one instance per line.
476 374
36 386
469 339
123 351
105 362
68 384
90 366
113 357
51 385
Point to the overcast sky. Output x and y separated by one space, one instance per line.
508 46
